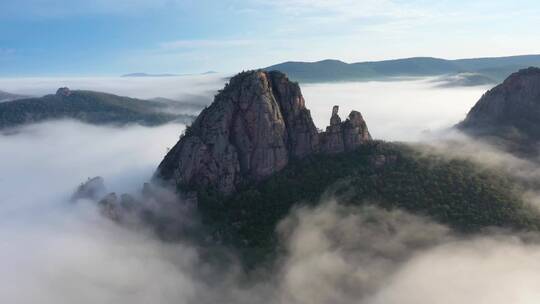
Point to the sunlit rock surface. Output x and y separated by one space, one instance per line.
254 127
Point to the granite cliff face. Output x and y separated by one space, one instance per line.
510 112
254 127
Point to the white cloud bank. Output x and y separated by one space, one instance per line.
370 256
54 251
393 110
183 88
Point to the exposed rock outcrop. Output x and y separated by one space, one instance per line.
254 127
332 139
510 112
65 91
344 136
302 135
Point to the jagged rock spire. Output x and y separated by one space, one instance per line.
254 127
335 119
344 136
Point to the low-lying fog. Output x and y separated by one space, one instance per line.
189 88
54 251
394 110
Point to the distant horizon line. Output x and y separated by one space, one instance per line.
175 74
413 57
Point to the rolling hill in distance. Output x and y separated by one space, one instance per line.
94 108
5 96
474 71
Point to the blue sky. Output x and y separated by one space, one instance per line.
111 37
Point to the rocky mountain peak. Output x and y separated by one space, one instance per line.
254 127
64 91
510 110
519 93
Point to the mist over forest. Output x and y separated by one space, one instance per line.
271 152
56 251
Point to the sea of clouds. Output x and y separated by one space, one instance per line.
56 251
403 110
188 88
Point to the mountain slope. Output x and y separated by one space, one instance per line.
493 69
508 114
5 96
457 193
247 161
86 106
